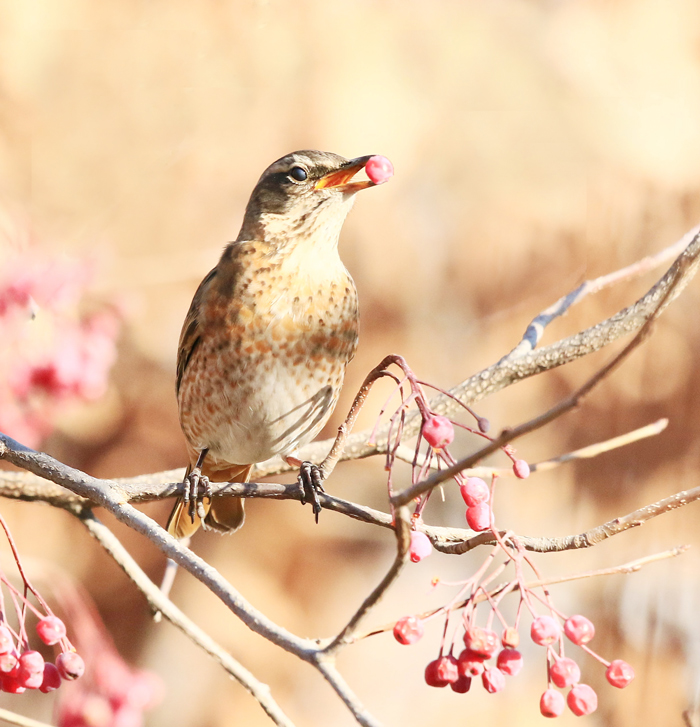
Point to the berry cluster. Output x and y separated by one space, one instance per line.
481 645
52 353
21 667
479 652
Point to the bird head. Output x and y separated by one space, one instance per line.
306 194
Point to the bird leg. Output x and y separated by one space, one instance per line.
310 480
191 499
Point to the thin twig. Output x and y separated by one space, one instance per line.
407 454
402 546
625 568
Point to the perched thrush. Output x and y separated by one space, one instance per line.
269 333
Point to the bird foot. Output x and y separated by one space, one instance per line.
191 497
311 481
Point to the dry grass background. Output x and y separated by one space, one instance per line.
535 144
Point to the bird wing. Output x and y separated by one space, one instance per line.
191 334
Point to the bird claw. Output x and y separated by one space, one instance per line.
191 497
310 480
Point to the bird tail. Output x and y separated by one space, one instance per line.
223 514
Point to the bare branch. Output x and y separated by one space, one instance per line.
160 603
536 329
508 435
340 687
571 542
17 719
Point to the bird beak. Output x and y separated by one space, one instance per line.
340 179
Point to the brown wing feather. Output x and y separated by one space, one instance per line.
190 335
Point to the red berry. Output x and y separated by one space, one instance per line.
510 661
52 679
420 546
551 703
481 641
441 672
564 672
510 638
579 629
474 491
582 700
9 663
70 665
11 685
521 469
544 630
493 680
462 685
479 517
619 673
408 630
379 169
7 643
51 629
470 663
438 431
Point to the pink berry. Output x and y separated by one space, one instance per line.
579 629
51 680
408 630
70 665
481 641
551 703
521 469
438 431
493 680
470 663
7 643
510 661
479 517
31 670
379 169
474 491
544 630
619 673
564 672
51 629
447 669
462 685
582 700
510 638
441 672
32 662
420 546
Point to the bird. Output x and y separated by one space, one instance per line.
268 335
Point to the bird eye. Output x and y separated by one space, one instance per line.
298 174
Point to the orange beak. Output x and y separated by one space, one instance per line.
340 179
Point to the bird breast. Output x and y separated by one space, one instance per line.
268 370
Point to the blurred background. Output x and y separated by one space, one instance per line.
536 144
